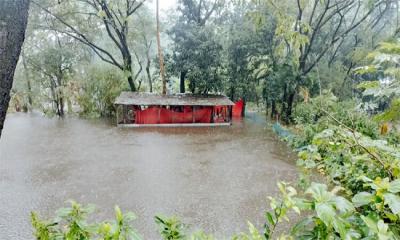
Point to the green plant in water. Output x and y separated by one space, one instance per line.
170 228
71 224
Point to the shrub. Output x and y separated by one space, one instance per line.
71 224
99 89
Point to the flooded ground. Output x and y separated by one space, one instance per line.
212 178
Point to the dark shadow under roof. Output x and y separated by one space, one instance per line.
147 99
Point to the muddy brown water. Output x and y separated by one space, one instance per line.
212 178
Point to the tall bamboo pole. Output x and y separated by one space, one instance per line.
160 54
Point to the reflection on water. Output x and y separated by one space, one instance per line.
213 178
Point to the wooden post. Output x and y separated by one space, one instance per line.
124 114
117 110
159 113
212 115
193 120
230 113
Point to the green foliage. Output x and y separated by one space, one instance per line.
323 111
71 224
368 85
43 229
196 48
170 228
392 114
100 87
345 146
330 216
383 69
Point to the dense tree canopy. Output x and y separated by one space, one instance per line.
272 53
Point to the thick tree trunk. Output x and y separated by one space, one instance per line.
13 20
289 108
284 102
182 82
273 109
128 68
131 83
267 105
61 105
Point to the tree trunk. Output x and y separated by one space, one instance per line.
13 20
182 82
61 105
244 107
284 102
148 67
131 83
149 76
232 93
54 97
273 109
128 69
290 101
60 95
160 54
28 80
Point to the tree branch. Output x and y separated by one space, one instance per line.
81 37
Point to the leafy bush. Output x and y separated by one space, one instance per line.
324 111
392 114
331 216
345 146
99 90
170 228
365 202
71 224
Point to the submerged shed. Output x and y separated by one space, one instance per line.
149 109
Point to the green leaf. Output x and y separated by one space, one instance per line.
269 218
301 226
118 214
343 205
362 198
370 222
394 186
393 201
318 191
340 227
254 232
325 212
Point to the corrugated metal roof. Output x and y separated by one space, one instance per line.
146 99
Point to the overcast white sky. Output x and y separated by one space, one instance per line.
165 4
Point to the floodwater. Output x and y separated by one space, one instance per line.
212 178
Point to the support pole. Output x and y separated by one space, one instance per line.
230 113
193 119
